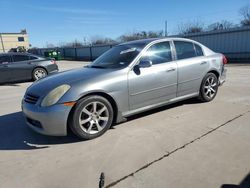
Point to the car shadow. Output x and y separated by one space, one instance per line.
15 84
245 183
16 135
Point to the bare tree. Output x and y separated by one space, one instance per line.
99 40
74 44
49 45
224 24
140 35
245 13
191 27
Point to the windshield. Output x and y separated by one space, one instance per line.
117 57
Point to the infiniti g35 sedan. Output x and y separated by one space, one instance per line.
129 78
24 66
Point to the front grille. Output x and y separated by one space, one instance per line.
31 98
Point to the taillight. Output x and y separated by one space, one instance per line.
53 61
224 60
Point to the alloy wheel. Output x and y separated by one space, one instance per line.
40 73
210 87
94 117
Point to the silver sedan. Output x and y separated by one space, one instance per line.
128 79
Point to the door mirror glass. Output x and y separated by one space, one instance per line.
145 63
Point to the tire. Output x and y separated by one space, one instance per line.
209 87
92 117
39 73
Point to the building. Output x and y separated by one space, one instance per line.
14 41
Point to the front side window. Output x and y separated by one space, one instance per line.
159 53
18 58
5 59
184 49
117 57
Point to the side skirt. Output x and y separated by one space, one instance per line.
174 100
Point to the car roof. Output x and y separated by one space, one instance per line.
148 41
15 53
20 53
142 42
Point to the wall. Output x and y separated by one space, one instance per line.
10 40
234 43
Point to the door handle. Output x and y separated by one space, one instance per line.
170 69
203 63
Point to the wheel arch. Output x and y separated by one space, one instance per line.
217 74
102 94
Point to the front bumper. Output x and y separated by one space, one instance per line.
47 120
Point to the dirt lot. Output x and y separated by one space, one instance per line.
188 144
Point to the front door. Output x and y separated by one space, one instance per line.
154 84
21 67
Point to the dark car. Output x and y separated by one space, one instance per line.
24 66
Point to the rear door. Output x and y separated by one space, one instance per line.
21 67
5 61
192 65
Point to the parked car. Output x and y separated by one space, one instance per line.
128 79
23 66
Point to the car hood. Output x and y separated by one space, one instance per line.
44 86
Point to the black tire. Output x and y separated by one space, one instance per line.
209 87
81 130
43 73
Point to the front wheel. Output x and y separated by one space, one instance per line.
209 87
91 117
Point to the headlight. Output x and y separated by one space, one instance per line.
55 95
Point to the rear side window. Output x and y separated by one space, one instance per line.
18 58
184 49
159 53
5 59
198 49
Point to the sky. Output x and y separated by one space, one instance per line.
59 21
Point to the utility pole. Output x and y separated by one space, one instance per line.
2 42
166 28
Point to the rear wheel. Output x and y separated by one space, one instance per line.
39 73
209 87
91 117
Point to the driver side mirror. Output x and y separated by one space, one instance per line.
142 64
145 63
